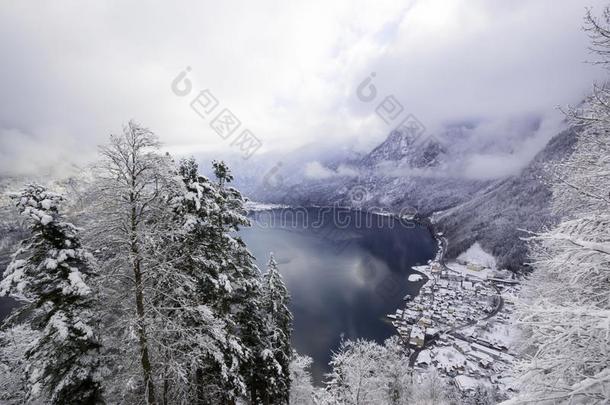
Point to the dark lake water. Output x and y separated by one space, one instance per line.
345 271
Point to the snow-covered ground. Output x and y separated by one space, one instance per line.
424 269
448 358
463 269
475 262
476 255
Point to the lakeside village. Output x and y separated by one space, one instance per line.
459 323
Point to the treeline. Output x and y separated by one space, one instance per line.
153 299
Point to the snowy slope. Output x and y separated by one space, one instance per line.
496 215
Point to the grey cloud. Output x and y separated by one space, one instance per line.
72 74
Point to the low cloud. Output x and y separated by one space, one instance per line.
518 150
316 170
487 167
23 154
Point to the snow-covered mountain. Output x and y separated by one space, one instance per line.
406 150
406 174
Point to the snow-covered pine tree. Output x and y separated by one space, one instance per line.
190 325
214 272
14 343
253 333
261 370
276 358
243 279
50 272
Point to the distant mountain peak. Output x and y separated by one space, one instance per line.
407 149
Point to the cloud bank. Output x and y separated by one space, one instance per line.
288 70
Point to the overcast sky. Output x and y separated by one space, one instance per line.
73 72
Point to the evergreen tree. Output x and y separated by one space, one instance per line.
197 305
250 325
14 343
254 335
218 293
49 272
242 278
279 322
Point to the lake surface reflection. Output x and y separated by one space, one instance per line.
345 271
